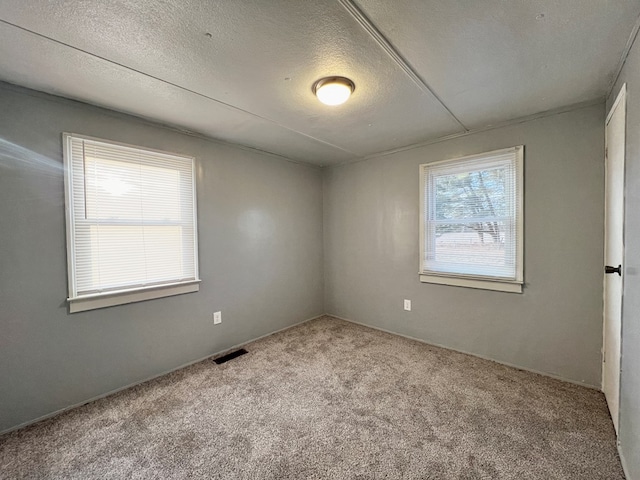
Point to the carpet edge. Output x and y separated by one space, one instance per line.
153 377
484 357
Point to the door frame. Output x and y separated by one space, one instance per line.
622 95
620 98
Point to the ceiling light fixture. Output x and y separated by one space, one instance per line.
333 90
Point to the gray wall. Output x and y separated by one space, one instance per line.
629 430
261 257
371 213
260 242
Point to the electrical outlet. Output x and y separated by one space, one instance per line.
217 318
407 305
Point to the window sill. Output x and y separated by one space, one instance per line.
122 297
496 285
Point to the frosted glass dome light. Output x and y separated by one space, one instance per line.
333 90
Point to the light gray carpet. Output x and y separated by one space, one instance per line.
329 399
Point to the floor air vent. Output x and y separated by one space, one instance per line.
230 356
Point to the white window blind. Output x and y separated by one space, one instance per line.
131 218
472 217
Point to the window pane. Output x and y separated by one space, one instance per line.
122 190
477 248
471 216
133 217
116 256
475 194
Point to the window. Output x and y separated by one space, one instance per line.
131 223
471 221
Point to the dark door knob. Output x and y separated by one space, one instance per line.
609 269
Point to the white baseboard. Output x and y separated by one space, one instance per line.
111 392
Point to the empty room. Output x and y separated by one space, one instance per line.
340 239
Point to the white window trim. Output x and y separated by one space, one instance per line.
496 285
81 303
122 297
473 281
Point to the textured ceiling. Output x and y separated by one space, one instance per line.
242 71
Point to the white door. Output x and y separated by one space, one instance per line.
613 251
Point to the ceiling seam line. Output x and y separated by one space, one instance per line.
625 54
51 97
388 47
509 123
181 88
